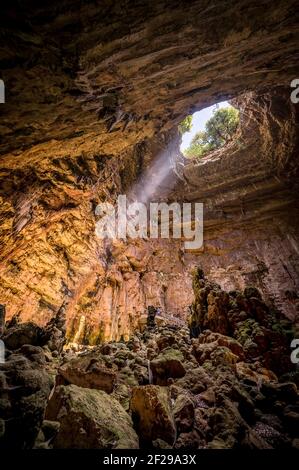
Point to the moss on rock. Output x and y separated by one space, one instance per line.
98 418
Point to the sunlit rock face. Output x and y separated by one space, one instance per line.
94 94
251 211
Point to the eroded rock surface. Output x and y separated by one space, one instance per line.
162 389
94 96
86 115
99 419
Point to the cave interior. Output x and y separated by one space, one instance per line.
95 92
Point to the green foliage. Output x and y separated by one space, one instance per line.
219 130
185 125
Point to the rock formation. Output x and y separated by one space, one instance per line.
230 389
94 94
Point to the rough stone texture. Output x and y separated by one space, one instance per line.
183 413
24 333
87 372
168 364
99 419
94 92
152 414
260 332
227 397
25 386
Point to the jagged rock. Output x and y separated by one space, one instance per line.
50 429
24 392
253 373
231 400
142 374
260 334
218 339
169 363
122 393
217 307
18 334
165 341
88 372
252 291
217 348
229 428
208 396
54 332
217 354
152 414
223 356
189 440
196 380
47 433
22 333
127 376
89 419
183 412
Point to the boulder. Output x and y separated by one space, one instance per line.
87 372
216 318
227 425
252 291
250 373
152 414
90 419
218 339
165 341
25 388
217 348
46 434
189 440
217 354
196 380
183 412
23 333
169 363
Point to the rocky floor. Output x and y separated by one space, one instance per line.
233 386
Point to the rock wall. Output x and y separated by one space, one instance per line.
94 94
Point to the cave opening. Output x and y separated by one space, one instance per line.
208 129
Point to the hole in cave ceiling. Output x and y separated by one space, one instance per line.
208 129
